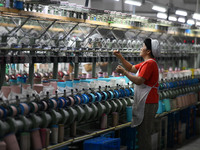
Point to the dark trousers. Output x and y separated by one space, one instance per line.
146 128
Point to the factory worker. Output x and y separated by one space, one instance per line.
145 90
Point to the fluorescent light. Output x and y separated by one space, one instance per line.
135 3
181 19
117 0
197 23
181 13
172 18
158 8
190 21
196 16
162 15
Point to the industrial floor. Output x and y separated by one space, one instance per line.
192 144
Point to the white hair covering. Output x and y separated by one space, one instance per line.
155 47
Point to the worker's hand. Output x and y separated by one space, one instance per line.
120 69
117 53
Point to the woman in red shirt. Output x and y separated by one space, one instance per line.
145 90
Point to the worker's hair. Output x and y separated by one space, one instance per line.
147 42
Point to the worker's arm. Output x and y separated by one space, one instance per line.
126 64
135 79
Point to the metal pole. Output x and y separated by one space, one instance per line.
198 60
31 64
76 65
86 3
55 68
31 70
180 62
185 62
2 74
195 56
94 69
76 69
122 5
197 7
197 65
109 68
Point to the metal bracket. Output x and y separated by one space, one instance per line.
103 44
19 27
70 31
168 37
90 33
47 29
115 36
175 39
126 35
7 29
99 34
52 37
138 33
150 34
159 36
180 40
28 31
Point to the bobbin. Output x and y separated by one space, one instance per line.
53 103
13 111
93 97
99 97
24 108
78 99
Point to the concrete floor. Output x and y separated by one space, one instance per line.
192 145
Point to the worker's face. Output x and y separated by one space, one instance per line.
144 51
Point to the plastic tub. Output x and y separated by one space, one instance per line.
69 83
167 104
61 84
102 143
104 79
160 110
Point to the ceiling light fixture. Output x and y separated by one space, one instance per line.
162 15
135 3
196 16
181 19
181 12
158 8
197 23
172 18
190 21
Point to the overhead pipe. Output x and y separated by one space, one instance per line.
123 6
86 3
196 65
197 7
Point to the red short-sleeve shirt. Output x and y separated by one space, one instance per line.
149 71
